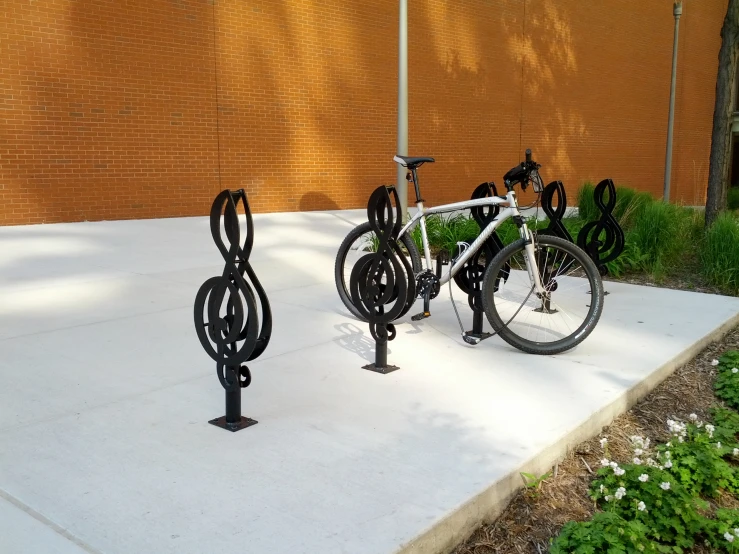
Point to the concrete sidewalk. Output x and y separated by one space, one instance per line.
106 394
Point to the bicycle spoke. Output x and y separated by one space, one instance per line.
556 314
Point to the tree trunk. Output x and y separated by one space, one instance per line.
720 162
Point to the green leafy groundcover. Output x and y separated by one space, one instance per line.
606 532
657 501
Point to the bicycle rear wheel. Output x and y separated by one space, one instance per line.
360 241
551 323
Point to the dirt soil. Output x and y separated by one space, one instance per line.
536 516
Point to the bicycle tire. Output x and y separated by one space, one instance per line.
339 269
508 331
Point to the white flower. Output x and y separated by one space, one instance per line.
736 452
603 442
729 537
607 498
667 454
714 363
668 464
620 493
618 471
614 465
693 417
651 462
736 531
669 445
665 486
710 429
637 461
602 488
605 462
734 370
680 439
718 445
641 506
638 452
643 477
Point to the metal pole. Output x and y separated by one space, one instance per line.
677 11
402 150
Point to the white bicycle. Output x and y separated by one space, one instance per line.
541 294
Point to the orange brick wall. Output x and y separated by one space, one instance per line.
115 109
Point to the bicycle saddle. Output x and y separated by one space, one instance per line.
412 163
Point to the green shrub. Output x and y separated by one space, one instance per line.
719 253
573 225
606 532
586 207
723 531
732 198
726 422
629 204
695 457
508 232
445 232
662 504
664 234
726 385
631 259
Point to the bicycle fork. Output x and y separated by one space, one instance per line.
534 274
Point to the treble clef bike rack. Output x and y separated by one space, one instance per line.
469 279
227 311
555 215
602 239
610 246
382 284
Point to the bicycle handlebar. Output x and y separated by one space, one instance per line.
521 173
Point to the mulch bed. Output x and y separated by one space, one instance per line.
534 517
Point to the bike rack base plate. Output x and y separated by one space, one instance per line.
383 370
233 427
481 336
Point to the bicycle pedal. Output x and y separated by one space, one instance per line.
422 315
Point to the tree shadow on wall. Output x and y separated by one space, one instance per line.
502 93
314 200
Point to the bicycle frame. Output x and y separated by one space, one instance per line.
511 210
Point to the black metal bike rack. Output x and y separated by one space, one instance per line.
602 239
227 311
382 284
611 245
469 277
555 215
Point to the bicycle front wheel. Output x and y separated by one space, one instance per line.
548 323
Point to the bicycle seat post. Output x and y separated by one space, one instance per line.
412 175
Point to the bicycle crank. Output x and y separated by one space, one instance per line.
428 287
